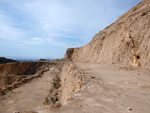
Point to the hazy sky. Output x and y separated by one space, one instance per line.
46 28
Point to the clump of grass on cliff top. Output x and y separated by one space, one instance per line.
53 96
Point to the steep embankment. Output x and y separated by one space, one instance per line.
68 80
72 81
22 68
10 72
126 41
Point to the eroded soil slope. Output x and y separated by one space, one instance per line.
126 41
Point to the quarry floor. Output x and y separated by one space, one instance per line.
110 89
27 97
113 90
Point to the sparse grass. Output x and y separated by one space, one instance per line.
53 96
56 82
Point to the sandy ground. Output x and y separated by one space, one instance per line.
113 90
28 96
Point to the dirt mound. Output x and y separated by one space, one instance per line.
126 41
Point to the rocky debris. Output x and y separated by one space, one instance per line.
129 108
124 42
92 76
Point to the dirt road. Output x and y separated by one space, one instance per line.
112 90
28 96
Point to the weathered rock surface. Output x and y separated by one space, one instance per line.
126 41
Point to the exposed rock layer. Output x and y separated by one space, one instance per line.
126 41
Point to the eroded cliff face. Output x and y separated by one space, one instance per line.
10 72
127 41
72 81
22 68
70 53
68 79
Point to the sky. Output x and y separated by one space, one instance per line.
46 28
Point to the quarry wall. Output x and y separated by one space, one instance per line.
127 41
11 72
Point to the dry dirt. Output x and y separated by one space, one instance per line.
111 90
28 96
109 87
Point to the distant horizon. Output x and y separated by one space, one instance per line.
28 58
46 28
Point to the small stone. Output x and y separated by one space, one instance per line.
129 108
92 76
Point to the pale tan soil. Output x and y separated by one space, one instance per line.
113 90
28 96
110 89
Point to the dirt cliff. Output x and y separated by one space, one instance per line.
126 41
68 80
22 68
72 81
10 72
